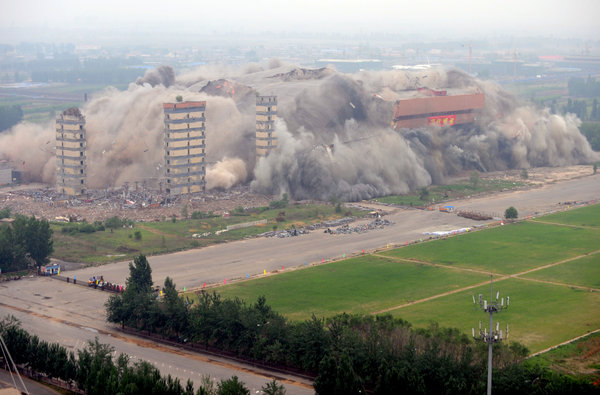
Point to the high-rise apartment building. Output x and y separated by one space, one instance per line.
184 147
266 113
71 169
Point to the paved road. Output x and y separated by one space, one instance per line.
252 257
72 315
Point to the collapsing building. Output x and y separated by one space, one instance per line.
266 114
8 175
436 108
71 148
184 147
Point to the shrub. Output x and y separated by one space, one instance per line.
511 213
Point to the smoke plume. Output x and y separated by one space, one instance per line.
333 130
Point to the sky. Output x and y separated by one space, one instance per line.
447 19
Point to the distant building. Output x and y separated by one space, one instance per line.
266 114
71 145
425 107
184 147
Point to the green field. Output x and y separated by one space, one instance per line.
584 272
506 249
583 216
548 306
540 315
167 236
363 284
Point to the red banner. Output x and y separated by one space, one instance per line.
442 120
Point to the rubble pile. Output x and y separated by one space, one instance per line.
285 233
346 229
477 216
331 224
138 203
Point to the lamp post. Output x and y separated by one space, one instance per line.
494 306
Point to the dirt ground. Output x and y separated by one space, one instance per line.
43 202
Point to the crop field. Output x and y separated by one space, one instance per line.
550 268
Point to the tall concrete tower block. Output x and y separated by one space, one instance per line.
184 147
266 114
71 146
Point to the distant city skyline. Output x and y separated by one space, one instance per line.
107 20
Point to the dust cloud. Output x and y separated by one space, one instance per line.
334 132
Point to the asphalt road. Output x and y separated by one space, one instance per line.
73 315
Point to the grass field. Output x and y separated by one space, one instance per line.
584 216
540 315
584 272
363 284
506 249
549 305
168 236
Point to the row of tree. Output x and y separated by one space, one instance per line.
580 108
347 353
591 131
95 371
580 87
23 242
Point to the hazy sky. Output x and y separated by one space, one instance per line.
444 19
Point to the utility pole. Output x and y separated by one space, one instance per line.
494 306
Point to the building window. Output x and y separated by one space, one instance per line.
80 127
80 153
82 181
80 171
81 136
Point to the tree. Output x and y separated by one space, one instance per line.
424 194
232 386
273 388
474 179
179 98
511 213
113 223
524 174
134 306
